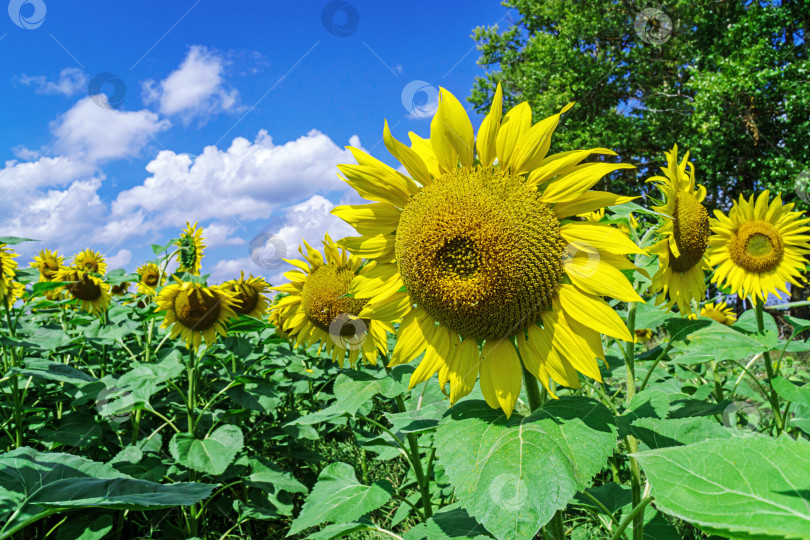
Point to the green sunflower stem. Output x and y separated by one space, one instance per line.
632 443
535 397
416 457
759 311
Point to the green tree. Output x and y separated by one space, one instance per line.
728 80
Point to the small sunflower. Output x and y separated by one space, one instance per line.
16 292
91 293
720 312
682 252
120 289
8 269
249 293
48 263
319 307
90 261
643 335
481 262
195 312
759 247
149 278
597 216
191 249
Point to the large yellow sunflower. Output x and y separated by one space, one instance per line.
91 293
319 307
759 247
191 249
90 261
682 252
480 262
8 269
249 294
196 312
48 263
149 281
720 312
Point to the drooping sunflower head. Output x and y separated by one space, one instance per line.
150 278
8 269
759 247
90 261
643 335
720 312
196 312
480 258
119 289
90 292
250 295
685 235
191 249
320 306
48 263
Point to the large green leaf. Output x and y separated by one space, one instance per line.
512 475
658 433
35 484
719 342
743 487
339 498
354 388
210 455
450 523
800 395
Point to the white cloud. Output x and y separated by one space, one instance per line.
120 259
71 81
18 177
94 133
220 234
196 88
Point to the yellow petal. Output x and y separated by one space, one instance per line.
593 312
588 202
393 308
413 336
533 146
451 133
405 155
569 344
516 122
464 371
574 184
425 151
434 360
380 247
596 275
600 236
370 219
488 132
561 163
500 366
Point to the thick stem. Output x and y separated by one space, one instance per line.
638 510
532 391
632 443
759 310
193 517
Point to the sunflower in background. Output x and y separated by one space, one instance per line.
720 312
149 279
90 261
8 269
597 216
90 292
320 306
48 263
120 289
682 252
196 312
759 247
274 318
643 335
191 247
249 294
480 262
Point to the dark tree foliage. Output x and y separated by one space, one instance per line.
728 80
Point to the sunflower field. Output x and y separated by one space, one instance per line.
501 351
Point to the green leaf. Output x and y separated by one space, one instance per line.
210 455
719 342
512 475
799 325
77 528
450 523
611 495
418 420
658 433
34 484
339 498
743 487
748 323
256 396
791 392
54 371
40 287
266 475
354 388
14 240
158 250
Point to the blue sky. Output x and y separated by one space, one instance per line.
232 116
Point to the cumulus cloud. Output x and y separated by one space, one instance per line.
196 88
71 81
120 259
